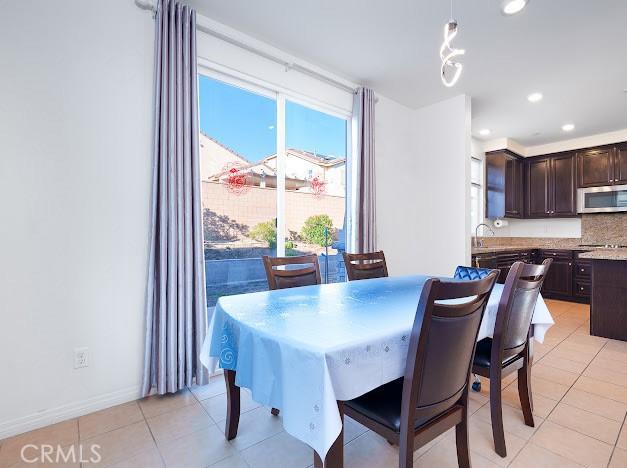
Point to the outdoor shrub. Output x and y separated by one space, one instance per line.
265 232
313 229
289 244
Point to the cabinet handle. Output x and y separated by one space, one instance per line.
570 264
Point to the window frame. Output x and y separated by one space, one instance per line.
280 95
478 185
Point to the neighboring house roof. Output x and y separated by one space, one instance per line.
230 150
256 168
320 160
217 160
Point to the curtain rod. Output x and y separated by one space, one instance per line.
150 5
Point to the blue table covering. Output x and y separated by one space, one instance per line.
302 349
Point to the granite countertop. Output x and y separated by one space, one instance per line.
599 253
606 254
514 248
501 248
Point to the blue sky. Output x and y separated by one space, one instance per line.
246 123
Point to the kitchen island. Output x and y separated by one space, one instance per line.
608 305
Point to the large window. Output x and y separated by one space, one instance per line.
273 183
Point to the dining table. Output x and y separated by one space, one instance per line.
307 349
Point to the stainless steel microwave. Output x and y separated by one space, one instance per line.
608 199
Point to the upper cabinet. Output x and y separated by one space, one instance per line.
504 185
514 202
537 190
550 186
546 186
620 164
596 167
563 191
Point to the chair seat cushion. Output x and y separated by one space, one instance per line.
484 351
383 405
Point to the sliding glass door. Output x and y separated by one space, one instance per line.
237 132
273 183
315 186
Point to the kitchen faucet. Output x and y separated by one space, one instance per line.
479 242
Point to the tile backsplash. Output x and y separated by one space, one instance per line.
604 228
596 229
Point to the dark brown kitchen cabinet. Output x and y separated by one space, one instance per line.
550 186
596 167
620 164
559 279
569 277
514 206
563 188
538 172
504 185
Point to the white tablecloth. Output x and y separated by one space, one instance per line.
300 350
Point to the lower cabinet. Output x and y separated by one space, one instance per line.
569 277
559 280
582 278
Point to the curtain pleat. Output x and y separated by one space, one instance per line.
176 310
363 113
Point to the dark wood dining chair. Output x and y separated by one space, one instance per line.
509 349
308 275
432 397
281 278
365 266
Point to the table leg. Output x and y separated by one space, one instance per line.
232 405
335 455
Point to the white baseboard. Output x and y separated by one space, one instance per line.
69 411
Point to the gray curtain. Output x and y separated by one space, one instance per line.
176 308
365 224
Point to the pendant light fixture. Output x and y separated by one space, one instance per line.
450 70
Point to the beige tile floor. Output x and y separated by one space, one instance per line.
579 386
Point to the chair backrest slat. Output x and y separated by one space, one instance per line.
443 342
365 266
308 275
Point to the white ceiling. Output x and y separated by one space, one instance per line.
573 51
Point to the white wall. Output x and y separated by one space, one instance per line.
394 159
233 61
423 187
75 178
75 170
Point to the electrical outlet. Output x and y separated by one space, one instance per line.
80 357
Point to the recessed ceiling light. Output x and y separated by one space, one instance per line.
534 97
511 7
568 127
484 132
